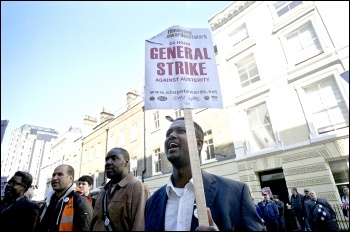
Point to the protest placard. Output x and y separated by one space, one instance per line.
181 73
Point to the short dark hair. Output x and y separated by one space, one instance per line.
27 178
122 151
276 197
86 178
197 127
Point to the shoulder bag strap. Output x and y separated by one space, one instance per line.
108 223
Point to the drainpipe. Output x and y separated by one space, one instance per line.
104 175
81 155
144 144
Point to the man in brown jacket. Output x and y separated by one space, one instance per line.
121 204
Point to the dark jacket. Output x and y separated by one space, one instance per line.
82 213
280 206
297 204
230 203
305 201
20 216
321 218
269 210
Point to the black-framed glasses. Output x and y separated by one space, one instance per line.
14 183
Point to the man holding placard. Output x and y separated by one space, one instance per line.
173 206
181 73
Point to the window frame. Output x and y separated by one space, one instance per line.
121 140
133 165
178 113
339 184
314 78
133 132
248 56
156 159
294 64
234 35
91 153
206 146
291 14
285 5
246 137
98 150
156 123
111 142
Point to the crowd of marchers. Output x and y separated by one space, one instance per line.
125 204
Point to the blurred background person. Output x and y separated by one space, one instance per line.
85 184
320 214
296 201
280 206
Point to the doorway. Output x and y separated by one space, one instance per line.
277 183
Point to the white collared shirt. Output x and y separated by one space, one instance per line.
179 207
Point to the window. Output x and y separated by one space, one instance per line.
303 43
283 7
247 71
122 138
261 133
156 119
209 146
110 142
85 156
239 34
96 182
326 106
178 113
133 165
91 153
157 161
98 150
340 172
133 132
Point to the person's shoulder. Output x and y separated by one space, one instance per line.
32 203
160 191
28 204
137 183
322 200
222 179
81 199
135 180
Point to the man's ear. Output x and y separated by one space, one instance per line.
126 163
199 144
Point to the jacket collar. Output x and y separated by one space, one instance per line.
69 190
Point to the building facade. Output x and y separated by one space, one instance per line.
65 149
279 65
4 124
29 145
285 121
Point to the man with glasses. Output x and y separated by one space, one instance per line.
18 213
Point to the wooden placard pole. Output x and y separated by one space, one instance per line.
196 170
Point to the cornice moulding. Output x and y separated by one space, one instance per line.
227 14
